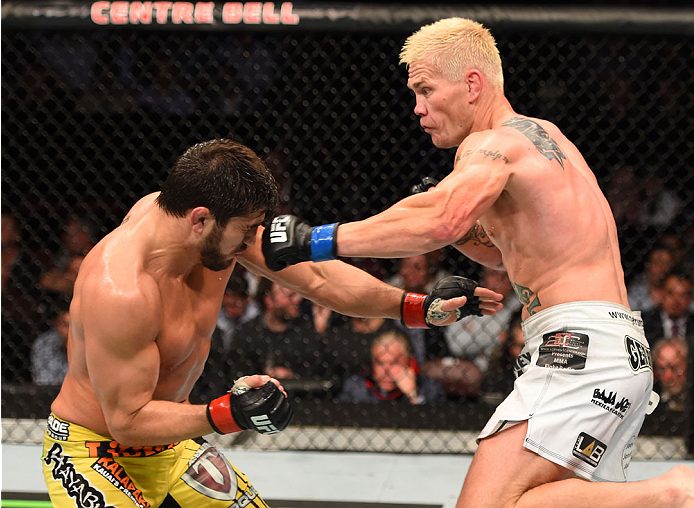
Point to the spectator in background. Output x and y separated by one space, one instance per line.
471 340
21 321
499 378
670 371
681 244
61 282
349 345
238 307
19 269
393 375
418 274
474 337
322 317
673 241
673 318
659 205
640 203
622 192
76 240
49 351
645 292
281 341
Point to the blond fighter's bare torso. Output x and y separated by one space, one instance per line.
182 310
551 222
543 216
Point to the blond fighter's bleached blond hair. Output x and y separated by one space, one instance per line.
454 45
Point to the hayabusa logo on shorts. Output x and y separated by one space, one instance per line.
563 350
211 475
609 402
75 484
639 354
589 449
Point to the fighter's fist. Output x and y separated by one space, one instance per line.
422 311
288 241
265 410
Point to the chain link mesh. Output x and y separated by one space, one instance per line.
92 120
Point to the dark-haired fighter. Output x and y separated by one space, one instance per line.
144 308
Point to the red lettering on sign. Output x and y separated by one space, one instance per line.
119 13
232 13
287 14
270 17
98 13
182 12
252 12
141 12
162 11
204 12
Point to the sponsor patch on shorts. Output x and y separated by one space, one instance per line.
76 485
639 354
563 350
115 473
58 429
211 475
589 449
114 449
610 401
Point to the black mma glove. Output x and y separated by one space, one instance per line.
265 409
426 184
417 310
288 241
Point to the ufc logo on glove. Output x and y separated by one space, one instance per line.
278 229
263 424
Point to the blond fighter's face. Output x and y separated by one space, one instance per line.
440 105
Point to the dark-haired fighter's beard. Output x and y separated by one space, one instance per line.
211 256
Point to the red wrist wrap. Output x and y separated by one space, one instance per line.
412 310
219 415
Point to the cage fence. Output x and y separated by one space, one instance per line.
98 104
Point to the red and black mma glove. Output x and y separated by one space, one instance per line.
265 409
418 311
288 241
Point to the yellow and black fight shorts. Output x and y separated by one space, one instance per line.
84 469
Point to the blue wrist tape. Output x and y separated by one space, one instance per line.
323 242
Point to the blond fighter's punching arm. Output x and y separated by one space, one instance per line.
417 224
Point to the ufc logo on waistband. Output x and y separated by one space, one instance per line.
278 229
263 424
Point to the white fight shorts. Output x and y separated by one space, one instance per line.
584 381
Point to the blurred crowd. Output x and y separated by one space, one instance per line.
266 328
126 102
